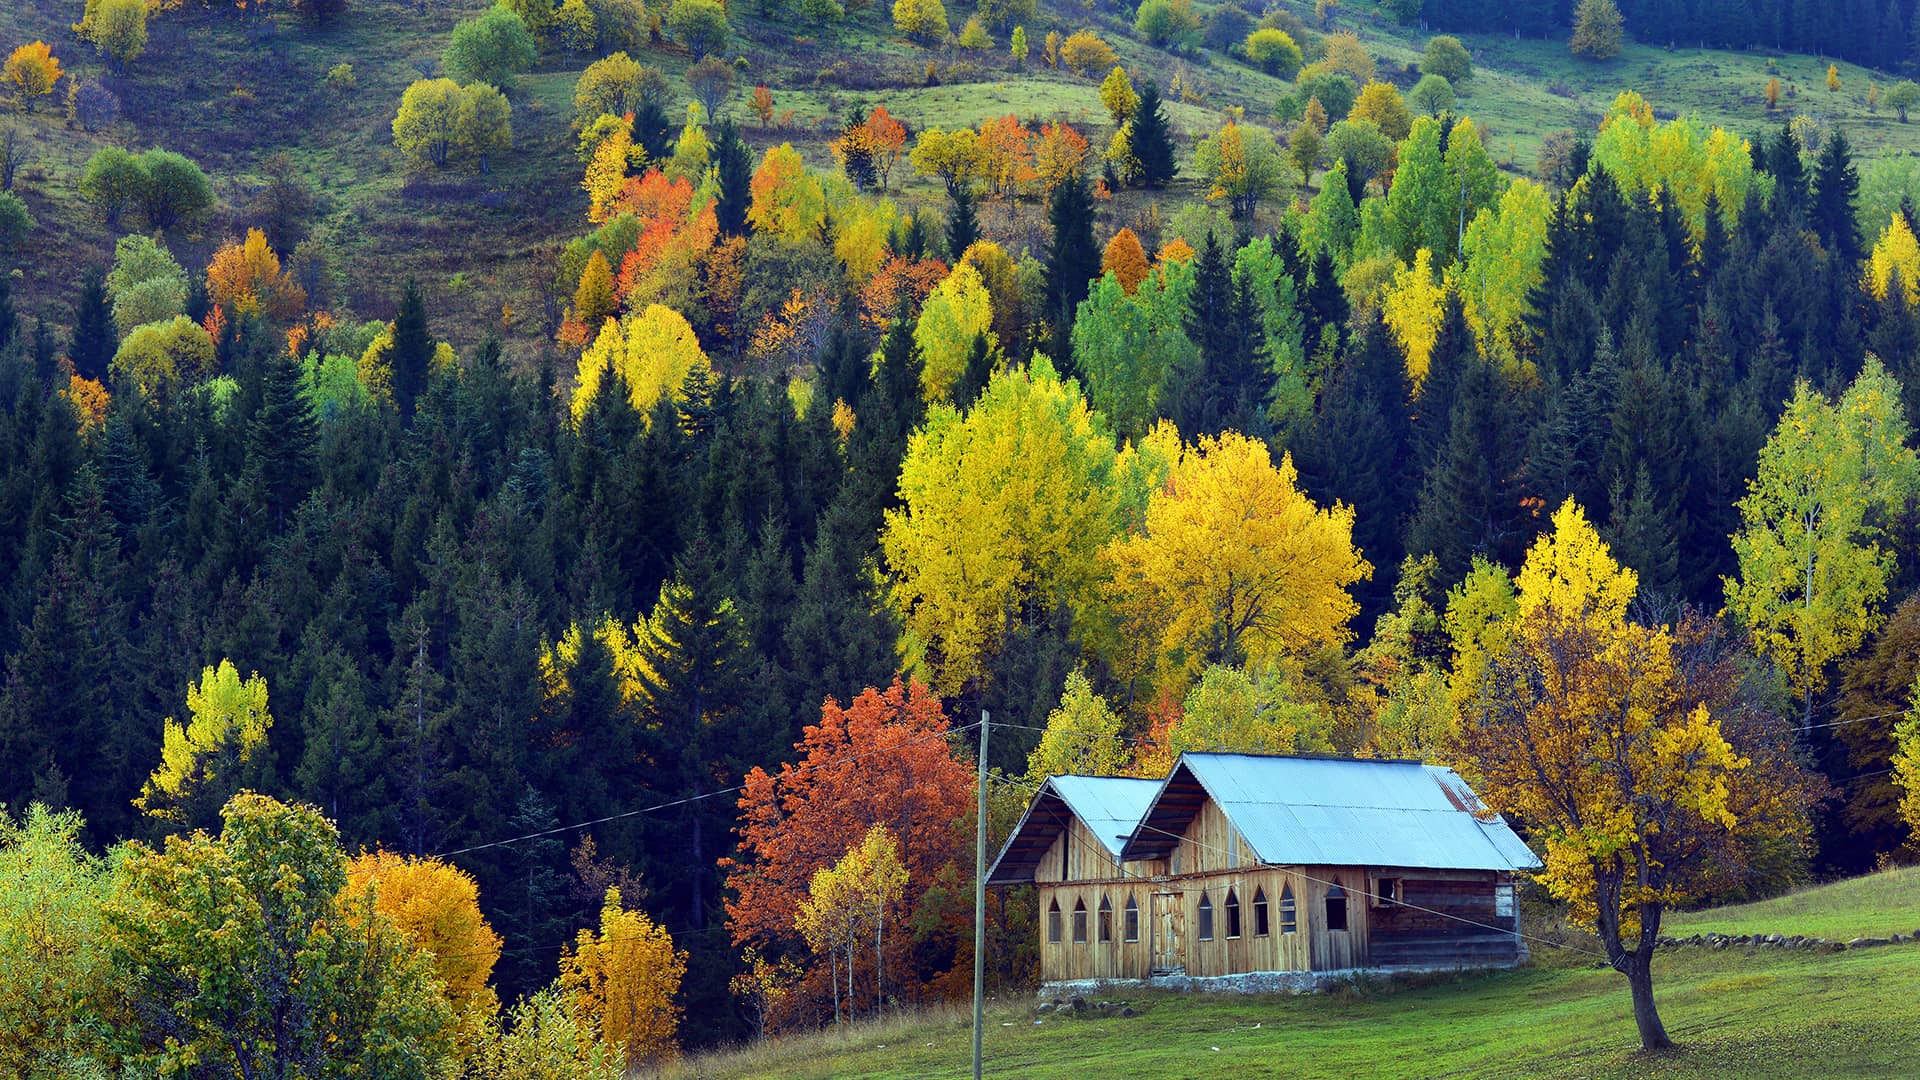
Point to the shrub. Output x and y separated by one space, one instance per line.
1084 53
491 49
92 106
700 25
1432 95
175 189
974 35
1447 58
15 223
924 21
340 78
1167 23
1274 52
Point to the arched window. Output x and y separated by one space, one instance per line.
1206 917
1233 914
1131 927
1259 912
1106 919
1288 921
1079 922
1053 923
1336 908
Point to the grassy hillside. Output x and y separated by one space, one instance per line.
1876 905
1734 1013
233 92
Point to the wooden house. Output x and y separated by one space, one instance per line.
1237 864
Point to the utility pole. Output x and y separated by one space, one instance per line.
980 898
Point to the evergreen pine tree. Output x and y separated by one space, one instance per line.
9 320
1789 175
1357 449
694 687
1149 139
1073 261
1467 505
962 226
412 355
652 131
1324 307
94 339
1643 536
531 909
1836 186
282 437
733 169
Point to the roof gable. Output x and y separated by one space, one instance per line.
1109 806
1334 812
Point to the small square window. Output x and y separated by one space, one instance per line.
1386 892
1503 901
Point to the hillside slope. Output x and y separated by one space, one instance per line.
232 93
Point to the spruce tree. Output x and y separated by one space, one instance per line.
282 436
1151 143
412 354
9 320
1789 175
1836 186
1073 261
1324 306
1467 505
694 687
652 131
733 169
94 339
963 228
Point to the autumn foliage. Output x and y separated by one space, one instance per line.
885 759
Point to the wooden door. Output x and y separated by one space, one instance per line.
1333 936
1169 933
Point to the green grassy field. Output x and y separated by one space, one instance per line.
1735 1013
1876 905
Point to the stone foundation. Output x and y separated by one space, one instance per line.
1252 982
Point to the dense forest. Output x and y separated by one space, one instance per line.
679 624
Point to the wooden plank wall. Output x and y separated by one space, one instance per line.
1212 861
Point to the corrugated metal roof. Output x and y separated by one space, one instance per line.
1111 806
1356 812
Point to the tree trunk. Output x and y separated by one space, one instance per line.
1653 1034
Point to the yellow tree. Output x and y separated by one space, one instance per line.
1895 252
1413 307
955 314
623 981
957 158
53 959
1610 741
1082 736
1118 95
788 201
1232 710
437 906
1233 563
607 167
1906 763
32 69
1813 559
1004 510
846 907
245 278
654 351
228 722
1382 104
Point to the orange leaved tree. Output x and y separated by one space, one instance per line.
886 759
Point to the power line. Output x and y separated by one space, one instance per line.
735 789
